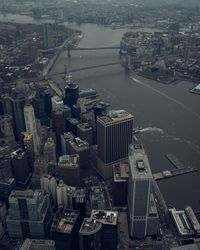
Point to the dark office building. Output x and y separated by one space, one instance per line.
71 125
71 94
58 124
20 167
109 220
6 130
65 228
120 183
90 235
68 169
114 134
79 202
18 97
30 214
5 163
85 132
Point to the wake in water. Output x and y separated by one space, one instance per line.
151 129
165 135
166 96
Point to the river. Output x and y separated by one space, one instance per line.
169 113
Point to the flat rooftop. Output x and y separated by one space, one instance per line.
106 217
68 160
84 126
18 154
139 163
181 222
29 194
120 172
90 226
66 221
78 144
115 116
32 244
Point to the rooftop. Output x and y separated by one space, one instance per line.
18 154
31 244
90 226
181 222
69 160
29 194
105 216
138 162
114 116
66 221
120 172
84 126
79 144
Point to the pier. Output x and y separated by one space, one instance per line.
180 169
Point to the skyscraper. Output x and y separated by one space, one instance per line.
114 134
71 92
6 129
18 97
30 214
142 211
30 122
49 150
21 168
29 148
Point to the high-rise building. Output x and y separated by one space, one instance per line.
90 235
79 201
18 97
109 221
71 92
46 43
114 134
85 132
5 164
29 148
30 244
71 125
21 168
6 129
48 184
68 169
58 124
57 102
142 211
120 183
65 195
49 150
65 228
30 214
3 215
30 123
74 145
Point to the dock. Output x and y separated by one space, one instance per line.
180 169
172 173
177 164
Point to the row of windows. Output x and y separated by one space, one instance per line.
139 217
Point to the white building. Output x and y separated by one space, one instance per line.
30 122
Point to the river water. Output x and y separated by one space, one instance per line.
169 114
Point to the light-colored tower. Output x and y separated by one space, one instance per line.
49 150
30 123
49 185
142 211
6 130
